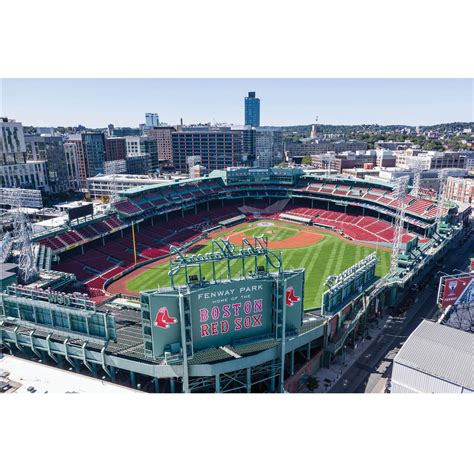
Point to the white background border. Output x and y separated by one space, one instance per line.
227 434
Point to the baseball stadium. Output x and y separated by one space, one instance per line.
244 280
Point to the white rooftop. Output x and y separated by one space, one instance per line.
440 351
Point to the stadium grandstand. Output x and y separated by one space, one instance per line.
160 223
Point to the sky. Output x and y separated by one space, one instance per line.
123 102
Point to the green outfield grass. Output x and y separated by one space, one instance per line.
330 256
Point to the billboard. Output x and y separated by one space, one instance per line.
294 298
455 289
234 310
165 320
221 313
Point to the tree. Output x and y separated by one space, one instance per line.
312 383
306 160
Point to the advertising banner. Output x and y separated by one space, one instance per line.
165 322
294 300
227 311
223 313
452 289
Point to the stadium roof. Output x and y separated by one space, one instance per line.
440 351
178 180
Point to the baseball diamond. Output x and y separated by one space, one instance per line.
320 253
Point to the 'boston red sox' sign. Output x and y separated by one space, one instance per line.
231 310
221 313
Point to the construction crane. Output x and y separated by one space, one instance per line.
399 193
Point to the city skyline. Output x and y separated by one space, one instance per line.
97 102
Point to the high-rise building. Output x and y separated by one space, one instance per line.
309 147
50 149
218 147
152 120
72 164
133 145
149 146
15 169
269 146
249 144
138 164
115 167
31 174
431 159
76 140
162 135
460 189
143 145
115 148
252 110
12 142
94 153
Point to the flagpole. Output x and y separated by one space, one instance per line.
134 243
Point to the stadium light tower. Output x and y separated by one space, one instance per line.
27 268
399 193
441 198
114 197
418 166
329 159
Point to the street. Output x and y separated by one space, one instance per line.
370 372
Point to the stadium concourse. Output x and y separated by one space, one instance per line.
140 228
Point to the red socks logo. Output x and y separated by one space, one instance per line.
163 319
291 297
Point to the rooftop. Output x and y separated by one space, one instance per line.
440 351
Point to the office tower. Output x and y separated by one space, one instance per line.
269 146
115 148
162 135
115 167
31 174
149 146
143 145
138 164
249 145
50 149
252 110
94 153
152 120
76 140
12 142
72 164
218 147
